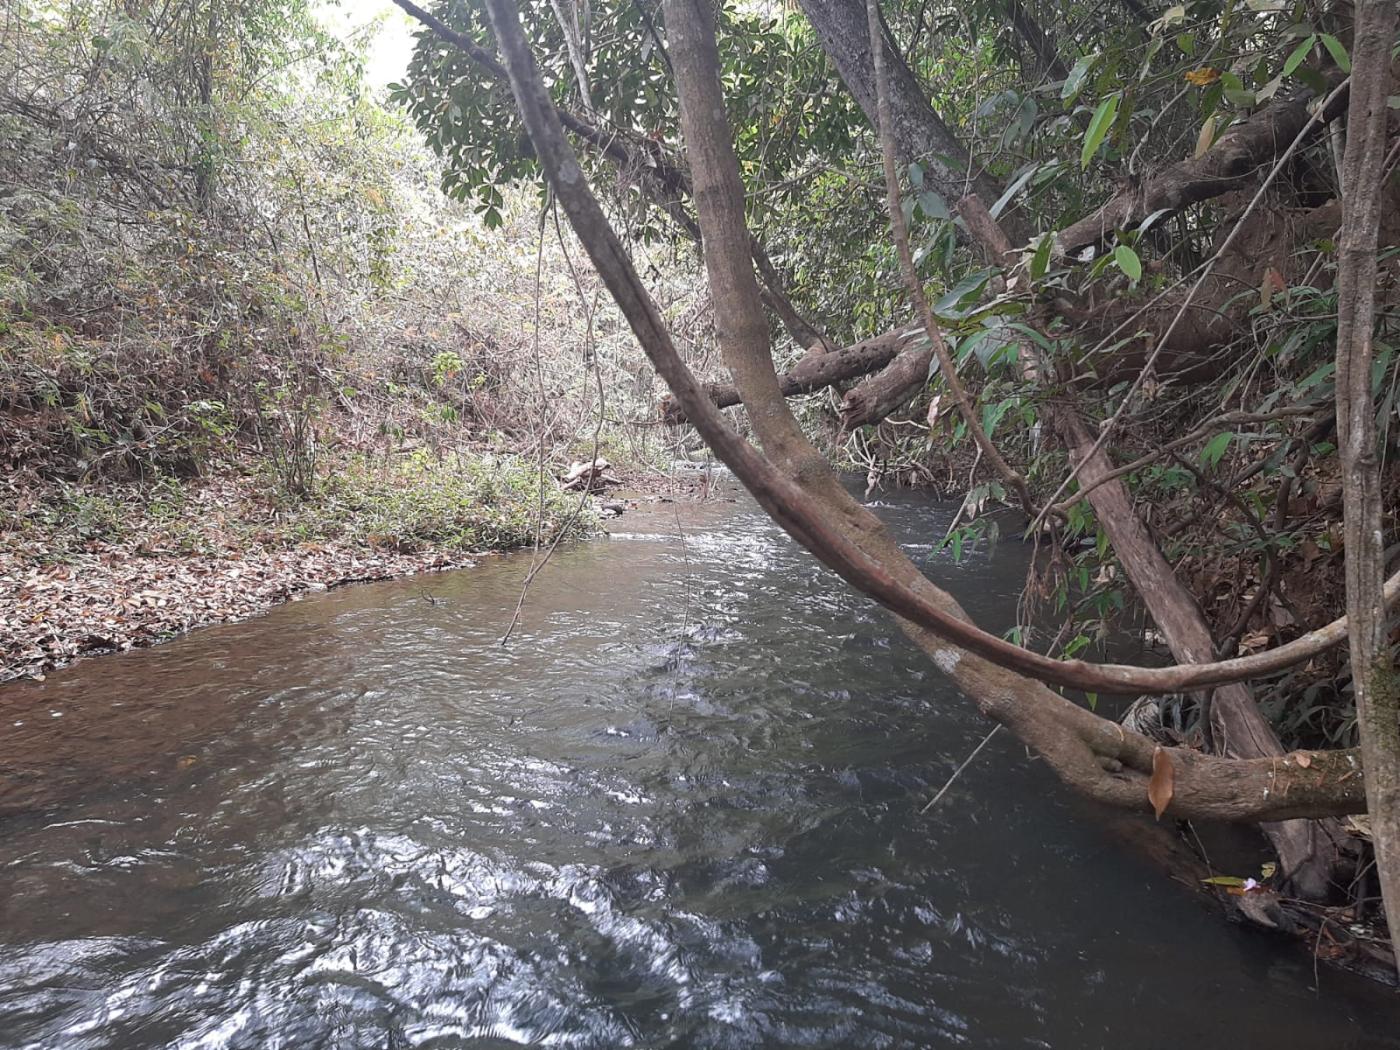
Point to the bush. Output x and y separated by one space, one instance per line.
454 503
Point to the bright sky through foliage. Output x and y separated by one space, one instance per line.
387 56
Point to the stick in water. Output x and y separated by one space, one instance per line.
958 772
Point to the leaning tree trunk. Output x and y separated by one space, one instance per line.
1307 849
1096 756
1375 683
918 130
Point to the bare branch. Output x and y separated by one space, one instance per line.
937 344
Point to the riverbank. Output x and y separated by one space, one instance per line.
95 569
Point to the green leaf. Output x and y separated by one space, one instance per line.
1337 51
1224 880
1079 641
1075 81
1148 222
992 415
1295 60
1031 334
985 345
1099 124
1215 449
1011 191
1319 374
1040 261
916 175
1128 262
934 206
962 297
1380 366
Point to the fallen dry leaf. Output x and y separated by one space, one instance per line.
1163 783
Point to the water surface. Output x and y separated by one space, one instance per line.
680 809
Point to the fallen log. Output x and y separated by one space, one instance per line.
889 389
814 372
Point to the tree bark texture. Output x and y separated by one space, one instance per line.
1375 684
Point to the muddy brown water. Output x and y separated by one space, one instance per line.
681 809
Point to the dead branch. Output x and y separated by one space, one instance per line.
814 372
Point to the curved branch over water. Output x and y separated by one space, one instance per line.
1091 753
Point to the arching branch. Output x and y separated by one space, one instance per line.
1090 752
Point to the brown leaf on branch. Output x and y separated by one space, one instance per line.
1163 782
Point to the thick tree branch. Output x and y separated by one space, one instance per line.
815 371
1237 156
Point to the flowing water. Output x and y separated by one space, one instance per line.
680 809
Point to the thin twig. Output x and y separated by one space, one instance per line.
685 555
537 564
900 229
958 772
1209 426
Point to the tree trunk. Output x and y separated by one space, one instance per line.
1308 854
1375 683
1307 850
919 131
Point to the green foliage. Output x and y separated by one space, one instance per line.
455 503
1097 131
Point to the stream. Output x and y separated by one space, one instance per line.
680 809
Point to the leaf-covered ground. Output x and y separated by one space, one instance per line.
104 570
113 596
